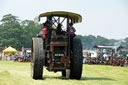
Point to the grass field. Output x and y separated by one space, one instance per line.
16 73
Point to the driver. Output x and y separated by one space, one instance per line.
59 29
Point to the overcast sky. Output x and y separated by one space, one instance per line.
108 18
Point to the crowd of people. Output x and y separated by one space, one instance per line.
116 60
10 56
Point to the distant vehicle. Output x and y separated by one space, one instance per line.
107 50
89 53
92 53
27 53
57 51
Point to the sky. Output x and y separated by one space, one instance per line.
107 18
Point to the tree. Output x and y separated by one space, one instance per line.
90 41
30 29
9 19
10 31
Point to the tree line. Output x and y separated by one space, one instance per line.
18 33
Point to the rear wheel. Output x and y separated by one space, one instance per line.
76 59
38 58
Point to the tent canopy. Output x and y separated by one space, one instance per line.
10 49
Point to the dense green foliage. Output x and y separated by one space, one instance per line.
17 33
90 41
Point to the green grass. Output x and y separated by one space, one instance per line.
16 73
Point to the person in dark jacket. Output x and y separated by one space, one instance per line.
59 29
